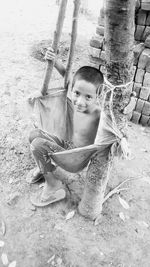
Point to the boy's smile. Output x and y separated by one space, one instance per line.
84 96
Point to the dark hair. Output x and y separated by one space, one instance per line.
91 75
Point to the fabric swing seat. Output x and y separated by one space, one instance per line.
76 159
54 113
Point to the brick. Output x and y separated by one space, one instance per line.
101 22
148 20
100 30
94 52
144 58
101 17
103 56
147 41
148 66
139 105
137 4
145 92
145 4
144 120
103 46
141 17
148 123
139 32
145 33
96 41
131 106
146 81
103 69
137 88
95 61
139 76
129 116
146 108
137 50
136 117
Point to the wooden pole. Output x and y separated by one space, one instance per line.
57 34
73 41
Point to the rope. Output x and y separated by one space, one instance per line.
121 139
112 86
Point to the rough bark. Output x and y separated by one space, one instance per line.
119 38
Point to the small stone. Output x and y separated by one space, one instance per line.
1 243
32 208
59 261
4 259
10 181
12 264
13 198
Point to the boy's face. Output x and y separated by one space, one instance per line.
84 96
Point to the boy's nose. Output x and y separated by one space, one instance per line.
80 101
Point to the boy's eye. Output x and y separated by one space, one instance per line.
76 93
88 97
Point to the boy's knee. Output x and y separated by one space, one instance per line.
33 135
36 144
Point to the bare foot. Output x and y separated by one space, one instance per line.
36 171
34 176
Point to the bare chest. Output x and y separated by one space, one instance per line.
85 129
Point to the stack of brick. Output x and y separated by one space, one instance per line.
96 49
141 85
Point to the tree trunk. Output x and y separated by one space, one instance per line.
119 40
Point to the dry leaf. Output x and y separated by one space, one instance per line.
59 261
1 243
124 204
4 259
70 215
51 259
122 216
143 224
2 227
12 264
98 220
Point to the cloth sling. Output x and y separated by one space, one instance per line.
56 119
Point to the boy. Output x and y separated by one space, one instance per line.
86 87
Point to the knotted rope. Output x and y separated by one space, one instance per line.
111 134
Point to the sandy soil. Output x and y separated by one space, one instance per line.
43 237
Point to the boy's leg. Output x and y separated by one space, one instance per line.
42 149
35 174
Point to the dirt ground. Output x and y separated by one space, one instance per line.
43 237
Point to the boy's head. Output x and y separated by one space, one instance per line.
86 86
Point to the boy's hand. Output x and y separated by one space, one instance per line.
34 96
50 55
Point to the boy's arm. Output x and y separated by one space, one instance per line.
60 67
50 55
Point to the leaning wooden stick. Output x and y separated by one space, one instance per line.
73 41
57 34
